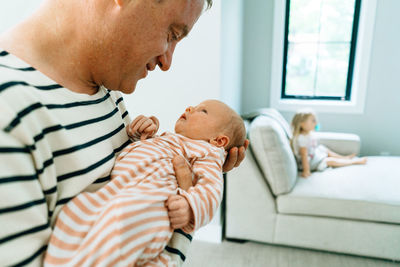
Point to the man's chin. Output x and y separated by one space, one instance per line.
128 89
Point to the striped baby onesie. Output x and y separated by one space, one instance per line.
54 144
126 223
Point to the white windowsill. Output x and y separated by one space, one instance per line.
360 73
318 106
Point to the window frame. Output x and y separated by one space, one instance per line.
359 75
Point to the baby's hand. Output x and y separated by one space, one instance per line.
143 127
305 174
179 211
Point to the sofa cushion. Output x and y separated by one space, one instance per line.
269 142
359 192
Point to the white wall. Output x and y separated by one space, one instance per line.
12 12
231 52
379 125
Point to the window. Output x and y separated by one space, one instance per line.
320 39
321 54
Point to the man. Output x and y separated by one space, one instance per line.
62 117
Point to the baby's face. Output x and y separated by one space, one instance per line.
204 121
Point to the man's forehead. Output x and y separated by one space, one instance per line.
189 15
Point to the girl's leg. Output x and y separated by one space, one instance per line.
340 162
336 155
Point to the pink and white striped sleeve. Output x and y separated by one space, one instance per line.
206 195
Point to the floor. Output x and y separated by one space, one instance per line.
249 254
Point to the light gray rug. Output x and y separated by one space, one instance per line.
249 254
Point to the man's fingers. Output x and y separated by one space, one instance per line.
235 156
241 154
231 159
246 144
183 172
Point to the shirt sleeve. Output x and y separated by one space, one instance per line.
25 226
302 141
205 197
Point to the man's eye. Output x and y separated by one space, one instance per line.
174 36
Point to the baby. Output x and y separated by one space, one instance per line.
126 222
309 154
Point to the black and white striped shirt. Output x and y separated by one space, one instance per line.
54 143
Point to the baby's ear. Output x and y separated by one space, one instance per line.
220 141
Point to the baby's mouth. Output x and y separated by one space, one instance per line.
183 116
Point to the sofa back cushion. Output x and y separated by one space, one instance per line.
270 145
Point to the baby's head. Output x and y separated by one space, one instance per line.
214 122
304 121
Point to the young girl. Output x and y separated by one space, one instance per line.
309 154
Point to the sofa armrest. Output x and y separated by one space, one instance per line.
341 143
250 211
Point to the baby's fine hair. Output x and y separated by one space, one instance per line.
301 116
236 130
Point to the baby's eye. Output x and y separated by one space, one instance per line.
205 111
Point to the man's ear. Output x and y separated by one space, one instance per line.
220 141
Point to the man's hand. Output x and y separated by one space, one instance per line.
235 156
179 211
143 127
183 173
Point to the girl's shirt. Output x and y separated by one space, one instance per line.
308 141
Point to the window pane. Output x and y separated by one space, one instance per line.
336 20
318 46
333 64
301 68
304 20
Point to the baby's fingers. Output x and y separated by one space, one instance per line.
173 203
136 123
139 123
147 123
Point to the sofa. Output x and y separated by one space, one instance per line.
352 210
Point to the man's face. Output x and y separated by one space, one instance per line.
141 35
204 121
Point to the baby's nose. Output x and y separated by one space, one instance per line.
189 109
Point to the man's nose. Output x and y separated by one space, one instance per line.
165 60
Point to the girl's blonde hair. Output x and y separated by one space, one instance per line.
300 117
